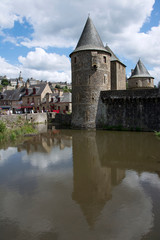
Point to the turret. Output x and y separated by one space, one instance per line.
140 77
90 63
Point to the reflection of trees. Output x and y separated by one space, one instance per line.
44 142
92 182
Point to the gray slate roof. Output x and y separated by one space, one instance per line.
39 89
113 56
90 39
15 94
140 71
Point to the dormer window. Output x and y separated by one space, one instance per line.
52 99
34 90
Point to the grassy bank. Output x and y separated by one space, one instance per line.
13 131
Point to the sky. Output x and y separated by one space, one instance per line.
37 36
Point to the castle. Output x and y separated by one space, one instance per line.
99 95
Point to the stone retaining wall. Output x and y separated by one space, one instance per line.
35 117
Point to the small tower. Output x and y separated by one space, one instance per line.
140 77
90 63
118 72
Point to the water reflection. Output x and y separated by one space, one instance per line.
92 182
81 185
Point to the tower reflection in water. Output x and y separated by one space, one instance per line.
93 182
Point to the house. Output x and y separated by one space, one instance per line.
12 99
35 97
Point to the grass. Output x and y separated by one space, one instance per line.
15 130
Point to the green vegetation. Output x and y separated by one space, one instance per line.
12 133
5 82
157 134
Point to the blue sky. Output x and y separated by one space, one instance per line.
37 39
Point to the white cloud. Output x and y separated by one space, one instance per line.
5 155
40 65
41 60
55 157
57 24
8 69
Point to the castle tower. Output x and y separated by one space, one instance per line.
118 72
90 63
140 77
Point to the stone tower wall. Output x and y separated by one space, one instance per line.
90 76
138 82
118 76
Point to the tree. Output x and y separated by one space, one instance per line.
5 82
58 86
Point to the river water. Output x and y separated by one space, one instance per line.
74 185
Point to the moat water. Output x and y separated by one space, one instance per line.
74 185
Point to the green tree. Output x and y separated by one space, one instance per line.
5 82
58 86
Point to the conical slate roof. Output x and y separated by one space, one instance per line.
113 56
90 39
140 71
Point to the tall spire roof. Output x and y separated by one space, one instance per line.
90 39
140 71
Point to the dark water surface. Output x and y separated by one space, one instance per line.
74 185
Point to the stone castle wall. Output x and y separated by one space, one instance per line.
129 109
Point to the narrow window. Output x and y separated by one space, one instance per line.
89 79
104 59
75 60
105 79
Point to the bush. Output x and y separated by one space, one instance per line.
2 127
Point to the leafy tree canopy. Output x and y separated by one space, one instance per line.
5 82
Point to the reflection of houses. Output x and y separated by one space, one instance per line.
45 142
92 182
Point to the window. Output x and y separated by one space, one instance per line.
75 60
104 59
32 99
105 79
27 100
66 108
34 91
26 91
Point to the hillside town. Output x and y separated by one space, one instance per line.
33 96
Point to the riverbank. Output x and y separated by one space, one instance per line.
11 131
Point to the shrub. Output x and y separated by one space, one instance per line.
2 127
